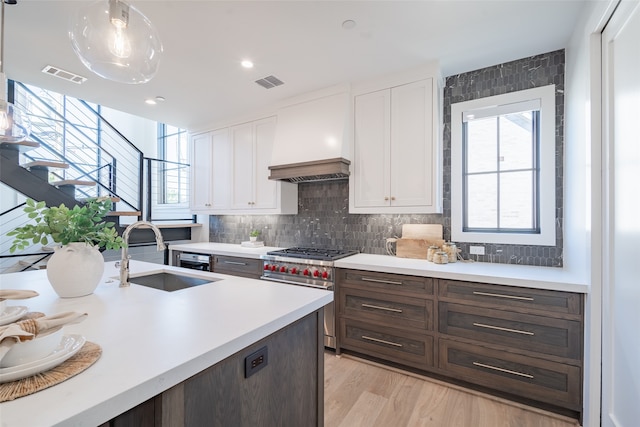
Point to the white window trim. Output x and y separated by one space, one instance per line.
547 236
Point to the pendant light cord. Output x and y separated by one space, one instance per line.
2 39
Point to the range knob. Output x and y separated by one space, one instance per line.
267 267
325 274
283 269
274 267
306 272
294 270
316 273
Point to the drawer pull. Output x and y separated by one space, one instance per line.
388 282
499 328
235 262
495 368
377 307
395 344
489 294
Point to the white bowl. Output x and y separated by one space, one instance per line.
30 351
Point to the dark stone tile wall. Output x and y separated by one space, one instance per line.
323 218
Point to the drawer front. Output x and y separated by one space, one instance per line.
237 266
387 343
537 379
546 335
510 296
396 283
394 311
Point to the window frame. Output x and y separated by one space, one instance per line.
546 192
162 137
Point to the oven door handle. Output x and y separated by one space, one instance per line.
291 282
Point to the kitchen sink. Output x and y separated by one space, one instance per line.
169 281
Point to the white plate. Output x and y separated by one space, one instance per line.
69 346
12 313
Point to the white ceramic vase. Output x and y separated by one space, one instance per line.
75 270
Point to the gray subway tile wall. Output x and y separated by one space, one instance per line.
323 218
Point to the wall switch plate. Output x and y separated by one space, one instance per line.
255 361
476 250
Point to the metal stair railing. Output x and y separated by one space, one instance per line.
74 131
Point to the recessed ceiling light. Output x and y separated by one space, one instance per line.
150 101
247 64
349 24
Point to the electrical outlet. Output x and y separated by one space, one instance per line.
476 250
255 361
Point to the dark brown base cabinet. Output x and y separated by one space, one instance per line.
520 343
288 391
237 266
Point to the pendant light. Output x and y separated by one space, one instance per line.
15 125
116 41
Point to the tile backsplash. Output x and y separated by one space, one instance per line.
323 218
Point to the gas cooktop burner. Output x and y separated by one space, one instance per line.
313 253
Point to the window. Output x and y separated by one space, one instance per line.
503 168
172 172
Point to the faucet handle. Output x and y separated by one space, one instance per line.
117 265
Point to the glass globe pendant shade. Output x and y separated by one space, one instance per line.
15 125
116 41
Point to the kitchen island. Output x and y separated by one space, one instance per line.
153 341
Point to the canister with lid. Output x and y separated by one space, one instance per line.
440 257
452 251
432 250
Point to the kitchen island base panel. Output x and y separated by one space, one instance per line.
289 391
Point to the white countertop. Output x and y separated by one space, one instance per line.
500 274
228 249
553 278
151 339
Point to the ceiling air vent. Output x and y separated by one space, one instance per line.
269 82
66 75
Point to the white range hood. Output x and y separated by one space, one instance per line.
312 134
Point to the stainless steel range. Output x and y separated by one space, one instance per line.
307 267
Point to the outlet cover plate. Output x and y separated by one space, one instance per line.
476 250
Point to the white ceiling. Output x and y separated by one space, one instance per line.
300 42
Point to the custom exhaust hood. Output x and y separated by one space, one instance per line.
311 142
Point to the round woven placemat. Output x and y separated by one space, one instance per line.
88 354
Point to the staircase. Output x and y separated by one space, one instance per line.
74 154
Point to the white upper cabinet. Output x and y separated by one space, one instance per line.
211 171
230 172
396 162
252 190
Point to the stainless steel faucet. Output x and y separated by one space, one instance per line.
124 262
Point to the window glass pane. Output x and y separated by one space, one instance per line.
482 197
482 145
516 200
516 141
172 130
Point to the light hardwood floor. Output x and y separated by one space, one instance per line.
359 393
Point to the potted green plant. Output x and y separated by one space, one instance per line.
253 236
76 267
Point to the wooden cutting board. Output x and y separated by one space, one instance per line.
422 231
416 239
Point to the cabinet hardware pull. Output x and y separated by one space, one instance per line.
499 328
235 262
489 294
388 282
386 198
395 344
395 310
495 368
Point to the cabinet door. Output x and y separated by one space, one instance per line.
371 149
412 144
221 169
243 166
201 172
266 190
